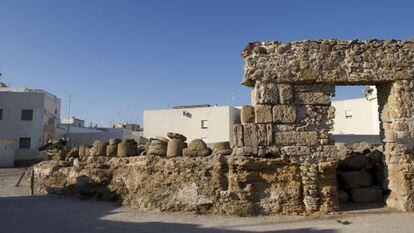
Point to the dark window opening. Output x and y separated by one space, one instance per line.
24 143
1 114
27 115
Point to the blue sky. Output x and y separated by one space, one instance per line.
118 58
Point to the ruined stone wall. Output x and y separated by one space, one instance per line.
328 61
291 114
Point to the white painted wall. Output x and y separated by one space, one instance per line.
364 120
220 123
46 114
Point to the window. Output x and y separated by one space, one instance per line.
24 143
204 124
348 114
27 115
55 111
1 114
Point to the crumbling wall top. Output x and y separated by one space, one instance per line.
349 62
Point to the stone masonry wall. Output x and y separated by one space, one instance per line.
291 114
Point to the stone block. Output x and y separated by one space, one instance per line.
356 179
296 150
324 88
112 150
284 114
263 113
172 135
367 195
222 148
197 148
265 93
285 94
312 98
264 134
175 147
247 114
127 148
238 135
249 135
158 147
296 138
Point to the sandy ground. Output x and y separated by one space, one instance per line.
20 212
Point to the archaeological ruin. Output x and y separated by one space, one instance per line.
283 158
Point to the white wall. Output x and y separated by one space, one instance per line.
364 120
220 122
39 129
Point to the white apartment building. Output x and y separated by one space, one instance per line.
30 117
209 123
357 119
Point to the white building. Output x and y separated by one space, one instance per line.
209 123
357 119
29 116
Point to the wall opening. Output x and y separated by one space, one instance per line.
361 172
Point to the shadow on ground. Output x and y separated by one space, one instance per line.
37 214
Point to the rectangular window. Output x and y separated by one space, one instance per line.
348 114
24 143
1 114
27 115
204 124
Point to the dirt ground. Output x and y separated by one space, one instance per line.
20 212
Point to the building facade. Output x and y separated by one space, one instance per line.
209 123
30 116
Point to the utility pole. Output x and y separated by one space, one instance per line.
70 101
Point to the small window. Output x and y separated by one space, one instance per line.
1 114
27 115
55 111
204 124
348 114
24 143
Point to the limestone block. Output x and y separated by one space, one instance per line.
264 133
197 148
246 151
175 148
158 147
265 93
127 148
313 98
324 88
99 148
112 150
356 179
263 113
296 150
284 114
222 148
247 114
172 135
238 135
285 94
296 138
367 195
249 135
114 141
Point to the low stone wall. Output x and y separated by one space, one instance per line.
216 184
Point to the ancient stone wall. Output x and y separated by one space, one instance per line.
291 114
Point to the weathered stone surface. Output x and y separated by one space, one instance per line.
328 61
128 147
284 114
175 147
238 139
356 179
114 141
265 93
296 138
313 98
249 135
158 147
285 94
367 195
263 113
247 114
99 148
264 134
197 148
355 162
222 148
172 135
112 150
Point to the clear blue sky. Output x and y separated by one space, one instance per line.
118 58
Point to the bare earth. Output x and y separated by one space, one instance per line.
20 212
